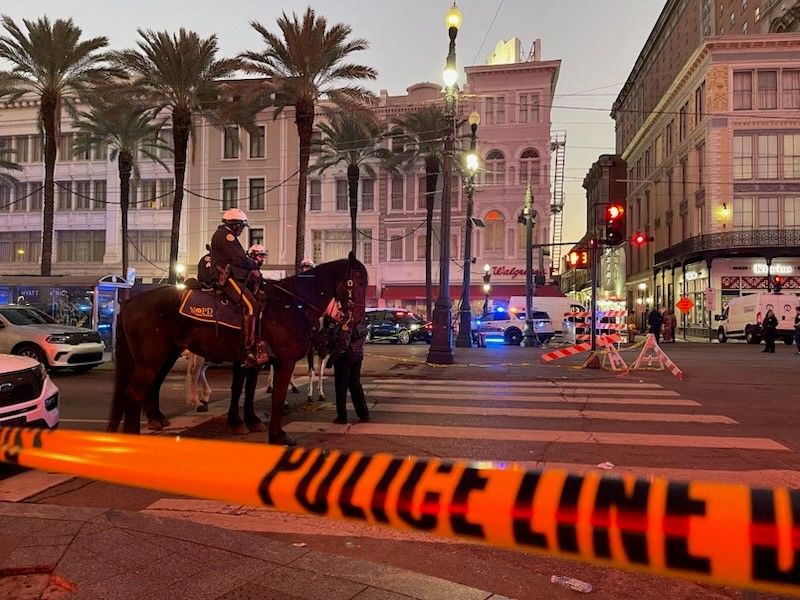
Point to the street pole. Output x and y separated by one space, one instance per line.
593 310
529 339
441 350
464 339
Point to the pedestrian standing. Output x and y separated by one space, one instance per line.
348 358
797 329
654 322
669 325
632 329
768 326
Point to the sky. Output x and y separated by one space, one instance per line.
596 40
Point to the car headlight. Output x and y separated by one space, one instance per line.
414 327
58 338
397 325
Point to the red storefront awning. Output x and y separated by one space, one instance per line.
499 291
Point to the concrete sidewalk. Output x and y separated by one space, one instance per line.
51 551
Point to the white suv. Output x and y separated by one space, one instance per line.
28 398
26 331
510 325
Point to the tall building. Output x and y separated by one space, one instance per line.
711 137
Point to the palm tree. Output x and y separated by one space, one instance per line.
422 133
304 62
129 131
352 139
51 61
181 74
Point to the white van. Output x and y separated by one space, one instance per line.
555 308
741 318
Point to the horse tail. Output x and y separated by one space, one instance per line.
122 369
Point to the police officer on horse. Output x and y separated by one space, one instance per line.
237 275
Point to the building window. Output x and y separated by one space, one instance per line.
529 108
257 142
523 108
315 195
742 157
21 149
742 90
5 198
37 152
167 144
647 163
83 198
148 194
791 155
495 232
166 193
366 246
670 190
64 192
701 165
496 110
791 212
422 195
230 136
396 248
367 194
256 236
684 179
20 246
668 139
421 247
658 146
21 196
767 89
699 103
495 168
149 245
700 219
65 147
683 118
791 88
341 194
397 192
81 245
257 194
647 208
230 194
36 196
768 213
529 167
767 157
742 213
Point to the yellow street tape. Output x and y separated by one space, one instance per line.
719 533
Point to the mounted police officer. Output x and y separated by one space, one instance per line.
306 265
235 270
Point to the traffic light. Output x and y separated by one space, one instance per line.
777 284
615 224
639 239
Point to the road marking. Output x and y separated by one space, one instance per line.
478 390
553 413
538 435
551 398
524 384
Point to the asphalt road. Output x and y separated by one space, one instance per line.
732 418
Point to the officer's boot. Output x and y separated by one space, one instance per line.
248 331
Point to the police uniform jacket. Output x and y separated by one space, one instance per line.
226 250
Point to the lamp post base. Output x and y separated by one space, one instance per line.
441 351
529 338
464 339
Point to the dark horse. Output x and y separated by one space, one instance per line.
151 336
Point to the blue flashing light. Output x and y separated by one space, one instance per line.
501 309
495 340
478 322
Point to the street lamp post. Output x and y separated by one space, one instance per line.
441 350
529 339
464 339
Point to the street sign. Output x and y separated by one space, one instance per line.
684 304
710 304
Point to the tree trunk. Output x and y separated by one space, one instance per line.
49 115
304 119
125 162
181 126
431 175
353 175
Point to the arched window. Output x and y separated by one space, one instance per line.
495 232
529 167
495 168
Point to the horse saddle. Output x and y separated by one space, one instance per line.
211 306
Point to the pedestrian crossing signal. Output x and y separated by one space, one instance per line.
578 259
777 285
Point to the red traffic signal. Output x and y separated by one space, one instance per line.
615 211
615 224
639 239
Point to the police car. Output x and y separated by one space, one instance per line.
509 325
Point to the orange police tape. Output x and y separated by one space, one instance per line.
720 533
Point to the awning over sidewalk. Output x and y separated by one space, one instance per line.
499 291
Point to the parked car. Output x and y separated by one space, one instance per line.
27 331
741 317
28 398
556 308
397 326
510 325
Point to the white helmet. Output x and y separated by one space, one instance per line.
234 215
307 263
257 250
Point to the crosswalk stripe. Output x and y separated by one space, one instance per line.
538 435
475 390
554 413
551 398
514 384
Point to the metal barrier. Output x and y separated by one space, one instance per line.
718 533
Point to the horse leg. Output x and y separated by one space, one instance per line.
193 374
321 375
311 379
292 385
269 379
283 373
235 423
253 423
154 414
206 387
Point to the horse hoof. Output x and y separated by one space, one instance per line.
238 429
286 406
203 407
164 421
309 399
322 398
283 440
295 389
269 389
154 425
256 427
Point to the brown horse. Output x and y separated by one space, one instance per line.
151 336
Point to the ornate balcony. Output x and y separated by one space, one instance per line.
759 242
